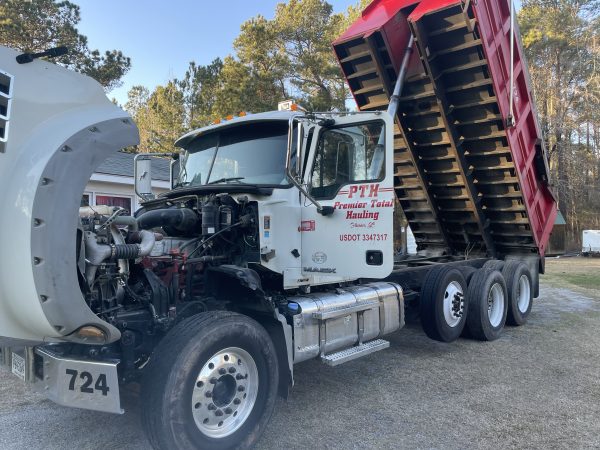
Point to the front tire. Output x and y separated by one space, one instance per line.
211 384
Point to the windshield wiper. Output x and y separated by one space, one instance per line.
222 180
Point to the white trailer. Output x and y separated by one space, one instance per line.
590 242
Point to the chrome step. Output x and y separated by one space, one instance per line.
337 358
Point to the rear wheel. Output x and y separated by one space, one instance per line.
487 305
211 384
443 304
494 264
519 289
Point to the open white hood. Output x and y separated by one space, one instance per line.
58 126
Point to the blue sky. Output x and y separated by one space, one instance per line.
163 36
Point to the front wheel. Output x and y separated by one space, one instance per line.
211 383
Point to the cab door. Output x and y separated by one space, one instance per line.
349 173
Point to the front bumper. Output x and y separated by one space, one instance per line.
64 379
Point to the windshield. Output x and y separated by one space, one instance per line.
249 154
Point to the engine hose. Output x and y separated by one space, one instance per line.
125 251
180 219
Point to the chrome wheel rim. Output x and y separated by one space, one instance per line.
523 294
225 392
495 305
454 304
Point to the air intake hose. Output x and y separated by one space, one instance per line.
175 221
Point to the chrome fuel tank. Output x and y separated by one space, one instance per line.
339 319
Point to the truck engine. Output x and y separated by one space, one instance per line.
142 274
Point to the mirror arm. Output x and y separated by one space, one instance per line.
324 210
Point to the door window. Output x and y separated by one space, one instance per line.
346 155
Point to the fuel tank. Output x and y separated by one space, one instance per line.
337 320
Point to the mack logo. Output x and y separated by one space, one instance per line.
320 269
319 257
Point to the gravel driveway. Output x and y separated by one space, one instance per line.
537 386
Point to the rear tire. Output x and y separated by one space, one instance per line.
211 383
488 304
520 292
467 272
494 264
443 305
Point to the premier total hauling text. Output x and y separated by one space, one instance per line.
352 214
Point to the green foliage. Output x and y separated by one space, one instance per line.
561 41
160 116
37 25
200 87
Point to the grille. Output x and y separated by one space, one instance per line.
6 86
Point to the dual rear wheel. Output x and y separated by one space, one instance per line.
461 300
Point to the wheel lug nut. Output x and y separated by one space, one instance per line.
208 394
218 413
213 380
211 407
237 401
239 376
228 410
222 371
241 388
232 370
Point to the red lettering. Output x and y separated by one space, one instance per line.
353 190
362 188
374 190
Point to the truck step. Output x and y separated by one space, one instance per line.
337 358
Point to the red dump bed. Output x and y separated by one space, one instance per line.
466 181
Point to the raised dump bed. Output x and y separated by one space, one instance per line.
467 179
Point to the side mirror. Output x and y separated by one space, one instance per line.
295 178
299 148
174 169
142 172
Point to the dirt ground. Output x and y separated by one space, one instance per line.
538 386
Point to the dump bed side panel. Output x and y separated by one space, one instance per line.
465 182
525 138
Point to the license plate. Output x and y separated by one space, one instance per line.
18 365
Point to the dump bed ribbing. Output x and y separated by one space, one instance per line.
466 179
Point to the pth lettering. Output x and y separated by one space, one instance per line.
364 190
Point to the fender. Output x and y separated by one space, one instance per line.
62 126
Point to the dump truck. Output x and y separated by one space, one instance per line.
275 244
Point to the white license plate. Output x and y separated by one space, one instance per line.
18 365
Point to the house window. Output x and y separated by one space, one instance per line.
85 200
109 200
